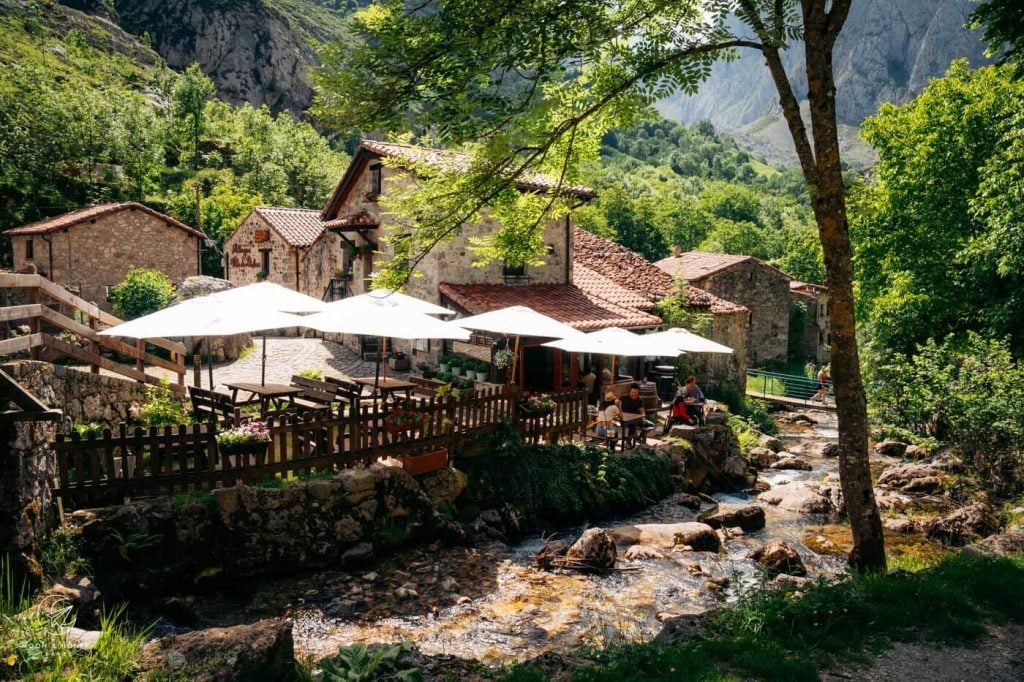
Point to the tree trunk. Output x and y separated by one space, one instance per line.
829 205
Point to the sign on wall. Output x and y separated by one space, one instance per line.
261 236
241 257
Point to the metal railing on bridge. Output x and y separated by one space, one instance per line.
785 387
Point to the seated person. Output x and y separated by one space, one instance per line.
693 397
633 404
608 416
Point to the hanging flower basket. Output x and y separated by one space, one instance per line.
536 406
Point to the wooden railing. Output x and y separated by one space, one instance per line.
42 319
104 468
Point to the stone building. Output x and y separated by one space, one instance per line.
90 250
814 318
748 281
287 246
608 270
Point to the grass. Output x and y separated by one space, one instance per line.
774 636
766 385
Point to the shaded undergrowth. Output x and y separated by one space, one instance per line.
769 635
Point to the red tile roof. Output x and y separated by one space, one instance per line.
798 286
360 219
453 160
696 265
598 285
563 302
90 213
608 264
299 227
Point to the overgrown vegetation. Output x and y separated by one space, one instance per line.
61 553
163 408
771 635
143 291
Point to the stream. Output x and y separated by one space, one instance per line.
491 604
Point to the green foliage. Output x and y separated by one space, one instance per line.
564 484
967 391
771 635
142 292
190 95
162 408
133 542
936 233
317 374
674 312
61 553
358 662
84 430
1003 22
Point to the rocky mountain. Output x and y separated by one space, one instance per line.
887 52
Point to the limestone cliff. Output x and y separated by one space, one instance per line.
888 51
256 51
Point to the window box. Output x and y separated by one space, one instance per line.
417 465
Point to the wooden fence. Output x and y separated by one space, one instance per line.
107 467
83 319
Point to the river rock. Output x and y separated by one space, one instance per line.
911 478
915 452
789 583
689 501
78 592
594 550
642 552
779 557
652 534
901 526
735 467
699 537
682 629
1011 543
748 517
962 525
261 652
829 450
791 462
771 442
443 486
359 555
762 457
891 448
804 497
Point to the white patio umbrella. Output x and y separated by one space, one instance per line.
383 317
272 296
204 317
518 320
689 342
615 341
394 299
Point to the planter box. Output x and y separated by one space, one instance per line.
243 453
400 364
417 465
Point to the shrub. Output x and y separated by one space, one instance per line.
967 391
312 374
162 408
61 553
143 291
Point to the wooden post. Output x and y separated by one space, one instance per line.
33 323
197 370
93 344
140 364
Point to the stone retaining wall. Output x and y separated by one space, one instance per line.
25 497
82 396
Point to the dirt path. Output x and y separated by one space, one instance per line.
997 658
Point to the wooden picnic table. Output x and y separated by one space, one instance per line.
276 396
630 422
387 387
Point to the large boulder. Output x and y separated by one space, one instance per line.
891 448
963 525
443 486
829 450
804 497
79 593
594 550
779 557
259 652
1011 543
762 457
911 478
791 462
747 517
699 537
771 442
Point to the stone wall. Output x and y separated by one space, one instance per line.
165 545
82 396
719 369
765 292
28 465
244 258
91 256
323 260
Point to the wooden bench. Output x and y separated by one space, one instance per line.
350 392
212 407
316 396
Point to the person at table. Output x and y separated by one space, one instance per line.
608 415
693 397
588 380
632 402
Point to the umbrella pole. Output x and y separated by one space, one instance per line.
384 353
515 360
209 364
263 369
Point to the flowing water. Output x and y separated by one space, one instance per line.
491 604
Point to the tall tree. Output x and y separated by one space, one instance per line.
1003 22
191 93
537 82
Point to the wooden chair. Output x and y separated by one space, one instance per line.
350 393
212 407
316 396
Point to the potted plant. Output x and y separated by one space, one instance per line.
424 369
251 438
400 420
399 361
455 363
537 406
464 388
444 377
444 364
482 372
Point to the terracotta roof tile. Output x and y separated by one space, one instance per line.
360 219
629 270
564 302
695 265
79 216
598 285
298 226
454 160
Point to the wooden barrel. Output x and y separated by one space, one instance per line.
649 395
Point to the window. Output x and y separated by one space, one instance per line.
108 291
376 179
29 250
513 270
264 263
